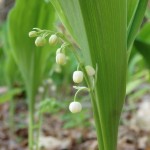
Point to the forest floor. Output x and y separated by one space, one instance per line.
134 130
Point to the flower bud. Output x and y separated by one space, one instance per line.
53 39
78 76
32 34
90 70
75 107
40 41
60 58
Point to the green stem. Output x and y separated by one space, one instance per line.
97 121
41 118
95 109
31 122
39 130
92 94
83 88
94 104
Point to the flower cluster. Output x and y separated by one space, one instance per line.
40 40
61 59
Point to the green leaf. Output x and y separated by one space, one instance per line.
139 7
30 59
132 7
103 42
10 65
26 15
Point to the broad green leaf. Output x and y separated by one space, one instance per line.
136 19
142 43
103 42
132 7
11 76
31 60
74 26
28 14
10 65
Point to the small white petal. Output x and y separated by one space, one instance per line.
75 107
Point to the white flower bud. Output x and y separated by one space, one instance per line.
40 41
75 107
90 70
60 59
78 76
53 39
32 34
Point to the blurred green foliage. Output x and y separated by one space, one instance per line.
53 106
8 96
2 58
142 43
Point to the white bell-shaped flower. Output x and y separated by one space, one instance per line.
75 107
78 76
60 59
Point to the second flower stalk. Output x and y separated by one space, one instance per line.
61 59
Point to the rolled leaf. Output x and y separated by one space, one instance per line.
138 8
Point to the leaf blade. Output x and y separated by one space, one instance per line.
97 37
137 19
30 59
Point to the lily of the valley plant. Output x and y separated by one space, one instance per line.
105 31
